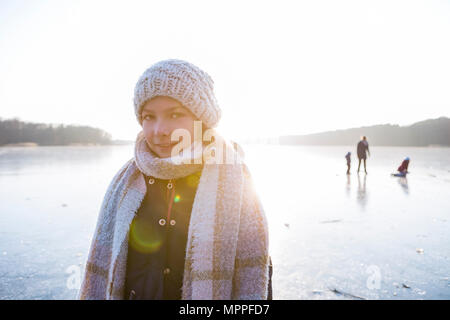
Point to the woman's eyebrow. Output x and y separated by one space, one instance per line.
173 109
167 110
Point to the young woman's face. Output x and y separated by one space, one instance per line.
160 117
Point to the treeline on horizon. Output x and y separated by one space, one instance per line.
14 131
432 132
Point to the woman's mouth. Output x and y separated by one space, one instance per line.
163 145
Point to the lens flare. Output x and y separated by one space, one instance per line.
145 237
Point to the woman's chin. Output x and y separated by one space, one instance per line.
163 152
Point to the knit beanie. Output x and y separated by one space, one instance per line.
182 81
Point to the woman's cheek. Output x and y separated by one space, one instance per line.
188 124
146 128
148 131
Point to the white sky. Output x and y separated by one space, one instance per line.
280 67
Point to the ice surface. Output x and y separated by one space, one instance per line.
332 236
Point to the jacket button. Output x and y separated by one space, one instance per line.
166 271
172 222
151 181
162 222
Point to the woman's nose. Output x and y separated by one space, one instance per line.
161 128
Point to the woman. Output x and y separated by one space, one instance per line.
180 220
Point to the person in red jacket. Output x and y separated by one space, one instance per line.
403 169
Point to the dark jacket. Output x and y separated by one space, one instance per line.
348 157
157 245
362 148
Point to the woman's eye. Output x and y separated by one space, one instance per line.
176 115
148 117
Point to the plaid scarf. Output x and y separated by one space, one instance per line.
227 246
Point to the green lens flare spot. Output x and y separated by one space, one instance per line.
145 238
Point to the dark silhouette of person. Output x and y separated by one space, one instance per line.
349 160
361 149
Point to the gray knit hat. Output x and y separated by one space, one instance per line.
182 81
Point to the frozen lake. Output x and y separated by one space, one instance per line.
332 236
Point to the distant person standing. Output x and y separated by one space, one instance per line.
362 148
349 160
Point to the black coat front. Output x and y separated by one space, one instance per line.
157 243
